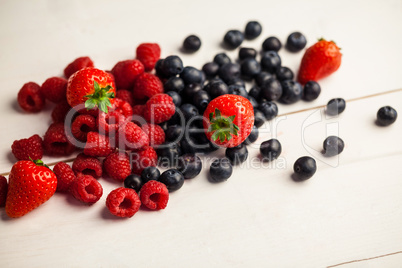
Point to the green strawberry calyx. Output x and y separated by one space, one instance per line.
100 98
39 162
223 127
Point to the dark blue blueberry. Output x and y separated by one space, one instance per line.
271 43
291 92
173 179
168 154
271 90
221 59
271 61
304 168
253 30
175 96
174 84
269 109
253 136
190 165
311 91
253 102
191 75
201 100
164 125
262 77
296 42
237 155
187 146
237 81
333 145
259 118
386 116
134 182
210 69
270 149
255 92
192 43
158 69
250 68
233 39
189 111
216 89
229 71
336 106
284 73
150 173
174 133
238 90
177 118
246 52
220 170
189 91
172 66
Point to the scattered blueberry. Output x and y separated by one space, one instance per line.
333 145
172 66
189 91
259 118
262 77
255 92
237 81
237 155
238 90
174 133
270 149
168 154
304 168
284 73
311 91
177 118
233 39
253 136
229 71
250 68
270 61
291 92
253 101
271 90
173 179
174 84
201 100
187 146
336 106
134 182
192 43
150 173
191 75
296 41
253 30
269 109
175 96
220 170
386 116
216 88
221 59
158 69
189 111
210 69
271 43
190 165
245 53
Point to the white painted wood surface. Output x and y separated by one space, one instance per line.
350 210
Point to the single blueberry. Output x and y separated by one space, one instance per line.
233 39
333 145
253 30
190 165
220 170
311 91
253 136
296 41
259 118
150 173
191 75
237 155
336 106
270 149
246 52
174 84
172 65
271 90
175 96
221 59
269 109
173 179
238 90
229 71
386 116
284 73
271 43
262 77
304 168
192 43
216 89
270 61
201 100
291 92
250 68
210 69
134 182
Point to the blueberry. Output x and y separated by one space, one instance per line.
259 118
187 147
174 133
291 92
189 91
134 182
262 77
271 43
311 91
304 168
253 102
192 43
245 53
150 173
236 81
253 30
189 111
168 154
270 149
221 59
189 165
386 116
201 100
253 136
255 92
175 96
238 90
172 66
229 71
174 84
269 109
336 106
164 125
158 69
220 170
250 68
296 41
191 75
233 39
284 73
216 89
210 69
271 90
173 179
271 61
177 118
333 145
237 155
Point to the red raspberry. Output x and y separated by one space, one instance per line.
132 137
109 123
86 189
117 166
4 189
54 89
97 145
159 108
147 85
125 72
154 195
81 125
65 176
125 95
87 165
123 202
60 111
155 134
142 159
138 110
30 98
56 142
122 107
28 148
148 54
76 65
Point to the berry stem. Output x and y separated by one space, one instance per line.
100 98
223 127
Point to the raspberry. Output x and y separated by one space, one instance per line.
30 98
117 166
159 108
155 134
132 136
60 111
125 72
125 95
148 54
87 165
3 191
142 159
54 89
122 107
97 145
56 142
138 110
154 195
109 123
28 148
123 202
147 85
77 64
81 125
86 189
65 176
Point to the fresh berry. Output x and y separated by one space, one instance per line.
83 124
174 84
296 41
65 176
253 136
133 181
269 109
174 133
154 195
233 39
76 65
159 108
229 72
132 137
230 119
138 110
147 85
304 168
92 87
3 191
150 173
126 96
125 72
191 75
386 116
192 43
117 165
319 61
271 43
259 118
108 124
210 69
237 155
148 54
168 154
155 134
284 73
270 149
216 88
253 30
255 92
311 91
261 78
54 89
86 189
189 165
97 145
189 111
246 53
271 90
60 111
30 184
158 69
336 106
201 100
55 141
122 107
173 179
333 145
141 159
270 61
250 68
221 59
220 170
30 98
176 97
26 149
123 202
172 66
291 92
87 165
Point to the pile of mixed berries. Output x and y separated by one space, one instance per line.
152 111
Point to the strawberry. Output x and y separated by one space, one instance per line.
31 183
228 120
92 87
319 61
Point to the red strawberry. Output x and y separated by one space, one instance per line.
319 61
92 87
97 145
78 64
148 54
228 120
30 185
